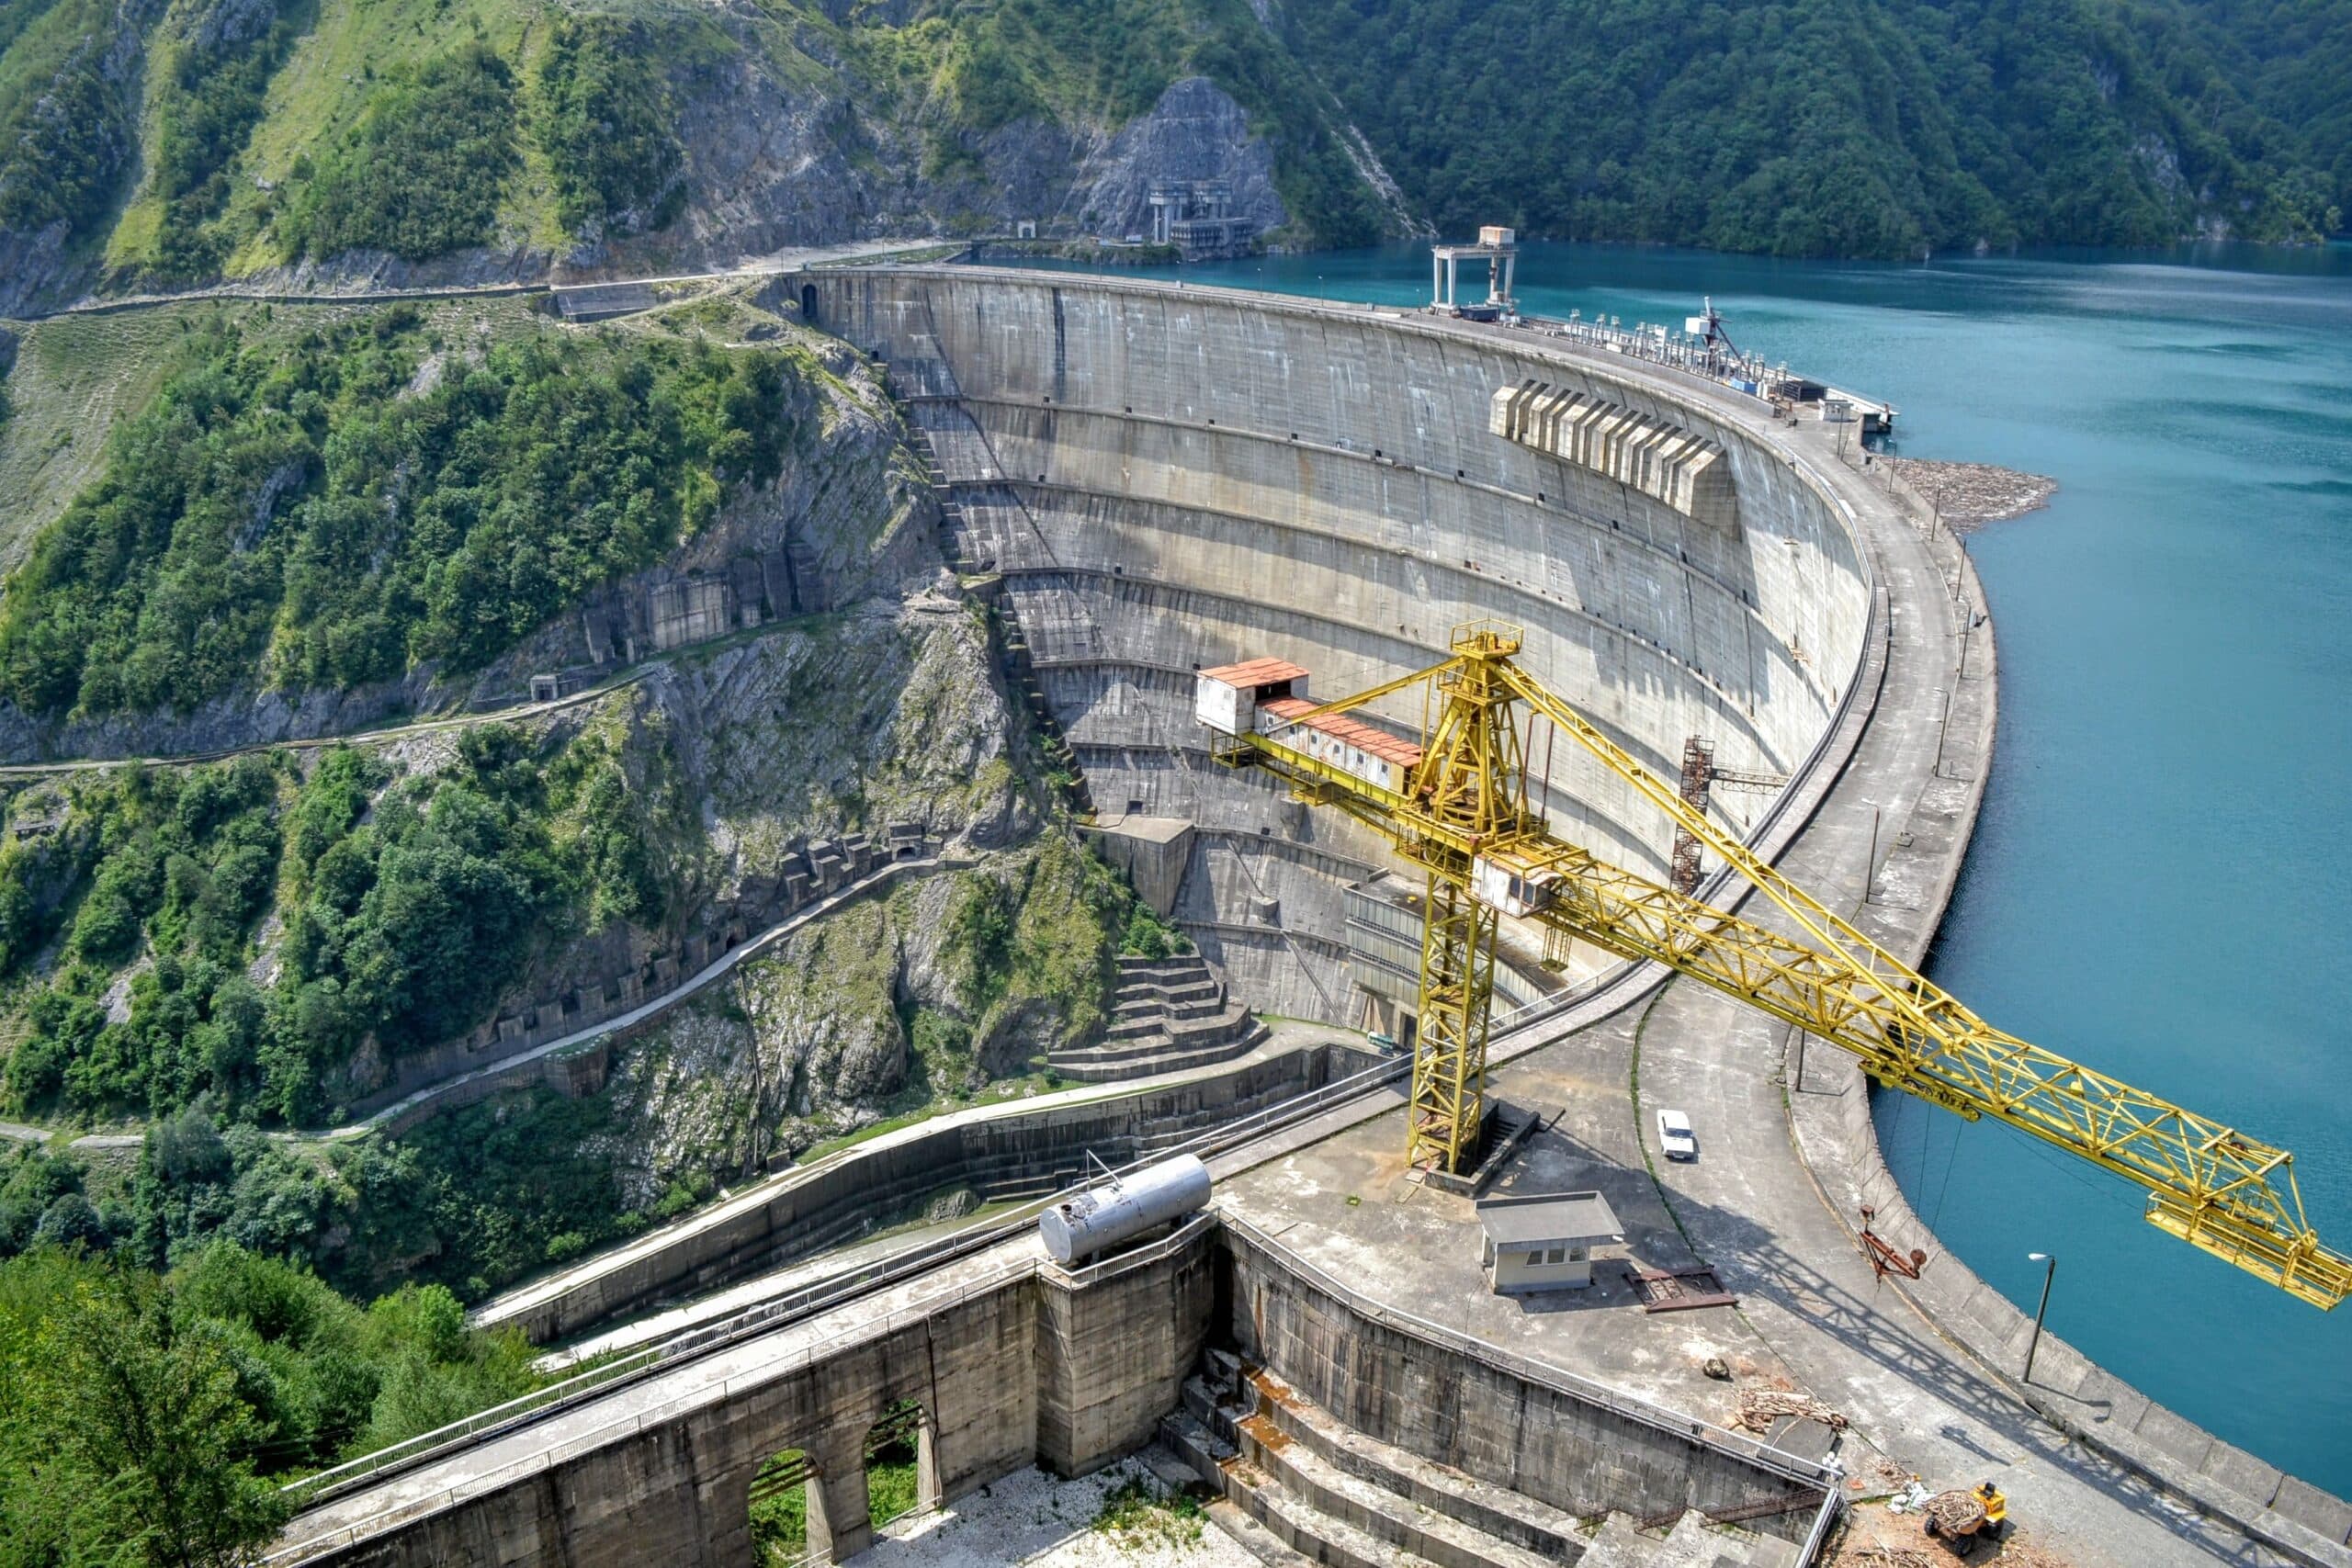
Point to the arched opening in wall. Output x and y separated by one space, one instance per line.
782 1493
901 1463
809 303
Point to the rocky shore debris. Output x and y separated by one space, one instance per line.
1969 495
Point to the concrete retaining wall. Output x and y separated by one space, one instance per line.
1170 477
1004 1151
1014 1361
1534 1430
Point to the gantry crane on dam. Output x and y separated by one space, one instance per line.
1457 804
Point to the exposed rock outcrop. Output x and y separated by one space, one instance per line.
43 262
1194 132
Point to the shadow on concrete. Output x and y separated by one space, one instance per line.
1884 1330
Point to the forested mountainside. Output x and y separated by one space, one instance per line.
1872 128
430 504
157 143
228 522
167 144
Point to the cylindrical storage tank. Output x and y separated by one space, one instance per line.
1102 1217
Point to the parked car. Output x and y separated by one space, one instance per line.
1674 1136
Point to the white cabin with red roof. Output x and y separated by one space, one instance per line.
1228 698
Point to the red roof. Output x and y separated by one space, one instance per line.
1364 738
1354 732
1256 672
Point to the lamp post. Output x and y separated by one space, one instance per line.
2049 1272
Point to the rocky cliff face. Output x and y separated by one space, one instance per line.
775 164
886 1006
84 114
1196 132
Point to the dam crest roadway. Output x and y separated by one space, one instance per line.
1147 480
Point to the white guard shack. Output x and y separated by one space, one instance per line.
1545 1241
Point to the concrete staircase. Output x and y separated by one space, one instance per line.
1171 1014
1296 1487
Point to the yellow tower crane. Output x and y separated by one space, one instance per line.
1458 806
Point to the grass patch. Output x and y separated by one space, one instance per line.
780 1511
1142 1519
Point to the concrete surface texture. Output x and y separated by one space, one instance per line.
1009 1150
1012 1360
1168 478
1034 1519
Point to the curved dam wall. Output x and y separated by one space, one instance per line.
1168 476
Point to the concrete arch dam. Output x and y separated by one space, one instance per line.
1166 478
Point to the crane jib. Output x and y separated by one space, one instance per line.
1453 797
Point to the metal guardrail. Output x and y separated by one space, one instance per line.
638 1421
1833 1502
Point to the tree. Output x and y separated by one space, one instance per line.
120 1427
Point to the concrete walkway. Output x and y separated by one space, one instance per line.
733 1206
1751 1206
774 262
70 765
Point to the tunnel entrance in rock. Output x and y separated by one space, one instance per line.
901 1465
782 1493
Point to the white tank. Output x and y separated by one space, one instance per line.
1101 1217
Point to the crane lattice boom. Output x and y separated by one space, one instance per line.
1458 806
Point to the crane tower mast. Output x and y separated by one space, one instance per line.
1457 805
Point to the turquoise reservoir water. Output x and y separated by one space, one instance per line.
2160 882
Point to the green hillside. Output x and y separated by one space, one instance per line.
161 143
1842 126
240 529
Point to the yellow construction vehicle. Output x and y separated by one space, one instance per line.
1456 802
1965 1517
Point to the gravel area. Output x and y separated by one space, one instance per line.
1029 1518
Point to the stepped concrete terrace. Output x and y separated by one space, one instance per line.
1166 477
1170 1015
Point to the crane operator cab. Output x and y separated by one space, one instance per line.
1516 892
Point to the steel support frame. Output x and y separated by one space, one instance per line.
1449 1051
2208 1184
